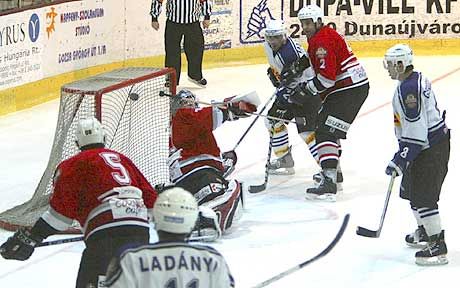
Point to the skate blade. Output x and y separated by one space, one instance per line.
282 171
327 197
419 245
432 261
339 185
204 235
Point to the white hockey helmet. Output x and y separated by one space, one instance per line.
312 11
399 53
275 34
275 28
175 211
89 131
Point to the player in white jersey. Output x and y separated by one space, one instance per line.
172 262
281 52
423 155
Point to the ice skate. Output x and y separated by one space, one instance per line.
327 188
207 227
418 238
318 177
283 165
435 253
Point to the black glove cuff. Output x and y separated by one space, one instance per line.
26 237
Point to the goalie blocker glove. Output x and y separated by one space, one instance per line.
21 245
238 109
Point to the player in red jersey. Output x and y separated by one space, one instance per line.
101 189
196 163
343 86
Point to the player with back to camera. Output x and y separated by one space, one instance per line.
196 163
172 262
423 155
94 187
342 84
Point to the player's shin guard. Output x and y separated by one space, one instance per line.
310 139
227 205
284 164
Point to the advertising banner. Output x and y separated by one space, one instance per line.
52 40
358 20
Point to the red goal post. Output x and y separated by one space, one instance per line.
136 120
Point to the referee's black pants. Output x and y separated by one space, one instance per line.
193 47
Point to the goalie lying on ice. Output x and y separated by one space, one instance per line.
196 163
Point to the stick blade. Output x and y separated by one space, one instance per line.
361 231
257 188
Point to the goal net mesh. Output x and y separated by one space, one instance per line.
135 119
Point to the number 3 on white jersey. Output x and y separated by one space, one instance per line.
113 160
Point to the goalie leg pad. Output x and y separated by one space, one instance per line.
226 205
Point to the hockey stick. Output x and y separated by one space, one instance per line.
60 241
305 263
253 122
361 231
197 238
262 187
222 105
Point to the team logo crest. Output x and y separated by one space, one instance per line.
411 101
321 53
253 17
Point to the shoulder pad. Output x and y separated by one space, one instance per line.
409 97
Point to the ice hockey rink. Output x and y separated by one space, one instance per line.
279 228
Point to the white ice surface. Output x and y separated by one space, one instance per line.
279 229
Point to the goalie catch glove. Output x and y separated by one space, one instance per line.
21 245
273 78
295 70
238 109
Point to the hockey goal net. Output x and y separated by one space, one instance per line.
136 121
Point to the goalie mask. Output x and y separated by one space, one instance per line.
397 59
89 132
187 98
175 211
275 34
184 98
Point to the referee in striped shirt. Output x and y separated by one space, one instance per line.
183 19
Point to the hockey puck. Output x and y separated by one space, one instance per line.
134 96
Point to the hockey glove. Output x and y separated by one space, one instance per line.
239 109
300 94
272 77
20 246
397 165
295 70
230 155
